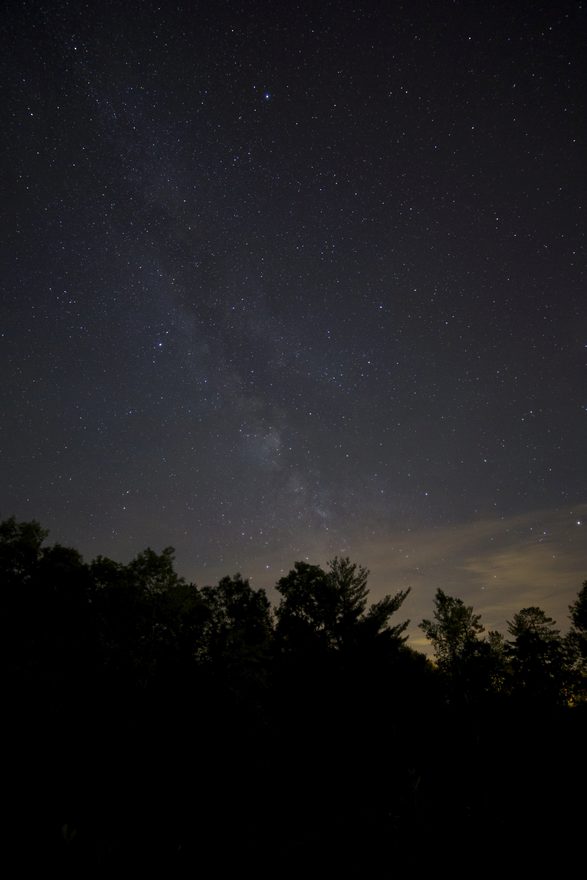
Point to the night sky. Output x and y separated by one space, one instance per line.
285 281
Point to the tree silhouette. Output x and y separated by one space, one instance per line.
454 632
20 550
236 634
536 654
329 608
154 572
150 721
579 610
579 622
473 667
575 645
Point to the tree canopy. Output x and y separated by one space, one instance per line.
454 631
152 720
536 652
331 607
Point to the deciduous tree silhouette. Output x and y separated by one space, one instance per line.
236 635
576 647
454 631
154 722
536 653
20 550
579 610
578 614
473 667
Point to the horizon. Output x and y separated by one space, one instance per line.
296 283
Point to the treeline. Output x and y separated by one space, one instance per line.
153 724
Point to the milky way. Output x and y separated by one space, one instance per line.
289 282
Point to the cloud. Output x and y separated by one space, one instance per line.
497 565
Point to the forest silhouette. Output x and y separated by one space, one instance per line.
155 725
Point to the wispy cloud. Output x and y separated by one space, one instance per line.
497 565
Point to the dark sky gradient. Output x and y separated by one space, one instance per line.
289 280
